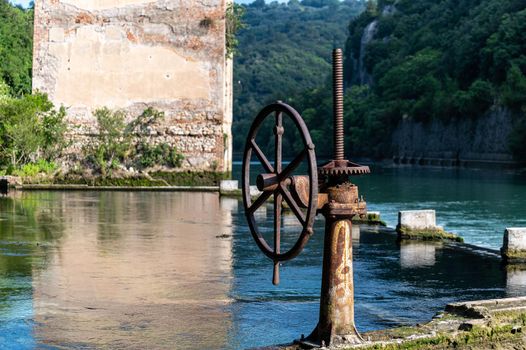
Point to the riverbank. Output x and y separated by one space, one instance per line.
177 180
58 187
482 324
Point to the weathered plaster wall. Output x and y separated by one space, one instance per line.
130 54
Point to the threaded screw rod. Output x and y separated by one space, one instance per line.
337 81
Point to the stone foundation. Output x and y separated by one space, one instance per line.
134 54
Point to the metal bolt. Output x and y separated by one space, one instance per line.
337 73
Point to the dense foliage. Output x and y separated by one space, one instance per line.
32 133
284 51
16 38
445 59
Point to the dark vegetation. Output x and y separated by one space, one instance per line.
429 60
285 51
443 60
152 179
16 48
32 134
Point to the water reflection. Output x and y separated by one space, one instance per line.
515 279
131 270
28 230
181 270
417 254
356 235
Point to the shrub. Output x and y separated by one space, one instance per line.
161 154
120 143
32 169
514 89
476 100
30 129
111 146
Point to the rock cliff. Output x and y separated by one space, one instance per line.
457 142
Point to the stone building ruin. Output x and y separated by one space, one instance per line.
133 54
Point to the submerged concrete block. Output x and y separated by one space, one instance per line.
228 204
421 225
514 245
417 219
289 219
229 187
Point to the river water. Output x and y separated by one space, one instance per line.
154 270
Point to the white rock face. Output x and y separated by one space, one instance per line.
417 219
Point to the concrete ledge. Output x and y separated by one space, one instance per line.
229 188
117 188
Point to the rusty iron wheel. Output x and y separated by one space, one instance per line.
276 181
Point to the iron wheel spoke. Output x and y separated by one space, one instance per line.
293 205
293 165
259 153
258 202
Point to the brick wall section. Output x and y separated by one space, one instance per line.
131 54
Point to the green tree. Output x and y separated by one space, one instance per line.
30 129
283 54
514 89
429 59
16 45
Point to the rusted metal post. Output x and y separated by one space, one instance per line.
337 291
336 324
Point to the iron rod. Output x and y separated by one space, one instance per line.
337 63
277 195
